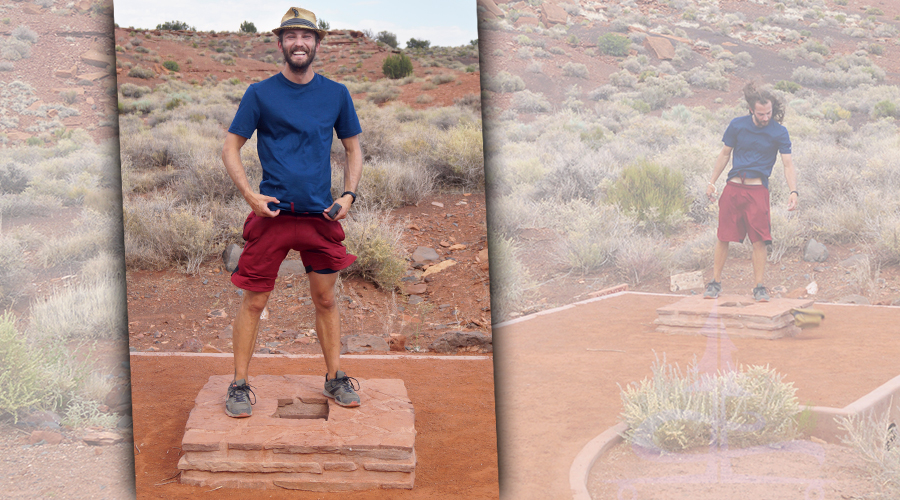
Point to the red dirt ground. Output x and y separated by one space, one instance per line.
453 401
558 379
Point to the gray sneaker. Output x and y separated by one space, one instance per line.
760 294
341 389
713 289
238 404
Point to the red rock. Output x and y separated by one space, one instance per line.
102 438
662 47
48 437
552 14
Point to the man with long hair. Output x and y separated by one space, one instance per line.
754 140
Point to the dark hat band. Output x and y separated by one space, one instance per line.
297 23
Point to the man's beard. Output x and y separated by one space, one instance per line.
299 68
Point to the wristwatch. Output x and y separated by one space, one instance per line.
351 193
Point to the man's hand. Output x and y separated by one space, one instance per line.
345 202
259 203
711 191
793 201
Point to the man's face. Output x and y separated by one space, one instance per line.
299 48
761 113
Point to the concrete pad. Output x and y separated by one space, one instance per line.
298 439
731 315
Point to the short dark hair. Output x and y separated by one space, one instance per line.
764 95
281 36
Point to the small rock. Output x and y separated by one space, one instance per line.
210 349
103 438
230 257
439 267
217 314
425 255
397 342
458 246
812 288
452 341
414 227
437 204
227 333
118 399
415 299
192 345
416 289
819 269
265 350
815 251
46 419
47 437
853 299
265 314
363 343
854 260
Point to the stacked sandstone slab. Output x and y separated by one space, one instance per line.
371 446
731 315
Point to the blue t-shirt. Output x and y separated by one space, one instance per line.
755 148
294 126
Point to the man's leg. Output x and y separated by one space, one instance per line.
720 254
245 330
328 319
759 261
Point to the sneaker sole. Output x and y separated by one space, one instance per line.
710 296
236 415
347 405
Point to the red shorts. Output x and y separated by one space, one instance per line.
269 239
744 211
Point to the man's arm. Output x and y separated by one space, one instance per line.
791 176
352 174
231 157
721 163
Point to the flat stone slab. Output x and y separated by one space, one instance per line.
732 315
299 439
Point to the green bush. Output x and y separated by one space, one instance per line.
614 45
175 26
788 86
139 72
504 82
375 240
248 27
22 381
171 66
672 411
650 192
12 178
417 44
387 38
884 109
397 66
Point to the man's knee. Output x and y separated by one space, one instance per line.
324 300
255 302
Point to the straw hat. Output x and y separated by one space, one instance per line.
297 18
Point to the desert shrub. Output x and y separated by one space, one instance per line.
383 94
504 82
132 90
374 238
509 280
387 38
442 79
390 183
139 72
531 102
788 86
13 178
13 271
882 109
25 34
22 381
171 65
592 234
575 69
248 27
175 26
874 437
397 66
651 193
675 411
614 44
94 310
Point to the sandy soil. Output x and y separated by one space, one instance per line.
453 401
